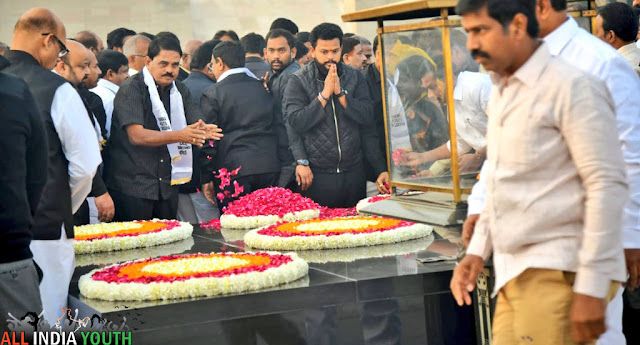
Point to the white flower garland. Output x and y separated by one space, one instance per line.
348 240
194 287
110 258
230 221
367 201
184 230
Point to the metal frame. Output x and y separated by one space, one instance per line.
591 12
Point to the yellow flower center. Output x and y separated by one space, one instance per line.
193 265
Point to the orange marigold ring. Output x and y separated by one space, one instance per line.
192 275
333 233
106 237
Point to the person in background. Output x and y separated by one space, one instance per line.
285 24
328 105
254 45
74 156
193 207
23 180
303 55
148 35
117 38
617 25
367 50
352 54
114 68
90 40
136 50
226 35
182 73
155 123
250 143
187 54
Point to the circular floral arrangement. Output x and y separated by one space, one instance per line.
268 206
106 237
370 200
342 232
193 275
110 258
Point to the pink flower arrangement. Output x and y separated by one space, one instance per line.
399 156
327 213
213 224
274 231
225 181
270 201
378 198
170 224
112 274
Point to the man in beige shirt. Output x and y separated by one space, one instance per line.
617 25
556 185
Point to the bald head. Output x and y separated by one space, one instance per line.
74 66
187 53
37 32
90 40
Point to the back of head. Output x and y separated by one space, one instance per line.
285 24
3 48
130 47
111 60
115 37
167 34
88 39
202 55
363 41
503 11
282 33
148 35
559 5
40 33
325 32
621 19
163 43
253 43
303 36
231 53
301 50
349 44
37 20
229 33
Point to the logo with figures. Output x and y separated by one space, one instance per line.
69 329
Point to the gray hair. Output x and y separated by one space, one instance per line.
130 46
363 41
4 47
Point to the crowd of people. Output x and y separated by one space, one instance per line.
149 127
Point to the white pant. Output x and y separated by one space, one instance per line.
57 261
613 319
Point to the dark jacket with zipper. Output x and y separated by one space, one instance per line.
334 138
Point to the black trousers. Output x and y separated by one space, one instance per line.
130 208
338 190
81 217
250 183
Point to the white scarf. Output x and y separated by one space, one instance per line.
181 154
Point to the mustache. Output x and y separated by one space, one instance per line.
170 75
476 53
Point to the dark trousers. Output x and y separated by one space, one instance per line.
130 208
338 190
250 183
81 217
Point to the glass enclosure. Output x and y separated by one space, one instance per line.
418 116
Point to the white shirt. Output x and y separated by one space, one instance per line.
631 53
590 54
236 71
133 72
78 140
471 96
107 92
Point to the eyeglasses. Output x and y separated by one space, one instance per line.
143 56
63 48
209 67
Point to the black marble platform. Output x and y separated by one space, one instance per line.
379 295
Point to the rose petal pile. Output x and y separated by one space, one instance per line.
193 275
106 237
341 232
327 213
268 206
370 200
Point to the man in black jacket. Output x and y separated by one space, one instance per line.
250 141
327 103
24 175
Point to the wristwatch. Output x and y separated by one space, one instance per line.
304 162
343 92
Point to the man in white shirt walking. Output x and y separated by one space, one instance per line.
584 51
617 25
74 155
114 67
556 182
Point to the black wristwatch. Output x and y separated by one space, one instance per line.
303 162
343 92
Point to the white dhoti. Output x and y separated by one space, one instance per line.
613 320
57 262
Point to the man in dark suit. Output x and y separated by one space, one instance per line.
250 138
254 45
